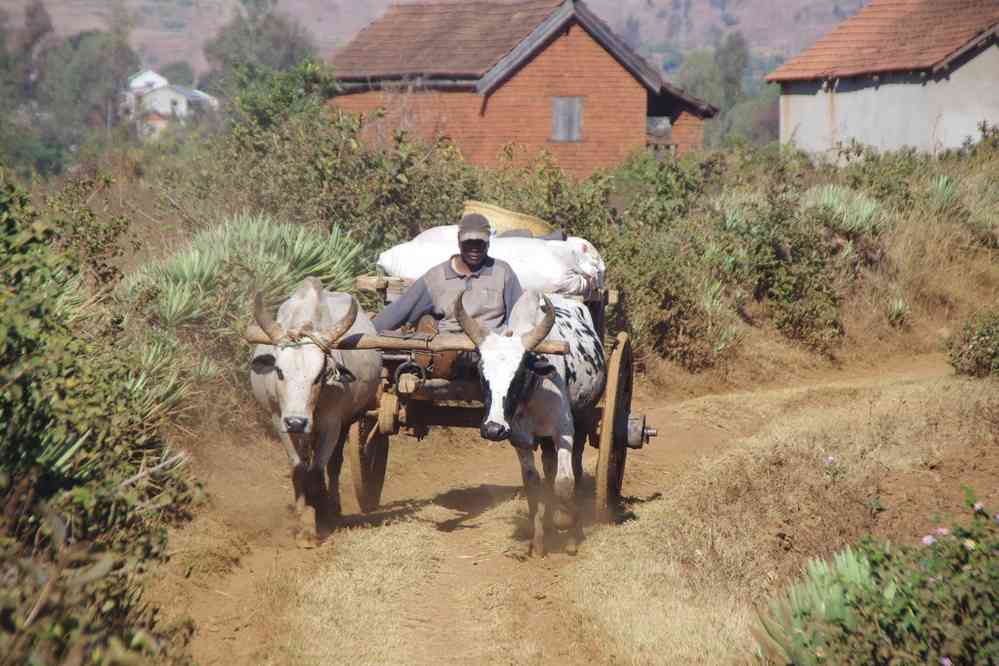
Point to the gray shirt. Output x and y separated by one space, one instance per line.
489 295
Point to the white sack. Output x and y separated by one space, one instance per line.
571 267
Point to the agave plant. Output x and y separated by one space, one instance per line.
788 631
943 192
853 213
898 312
214 278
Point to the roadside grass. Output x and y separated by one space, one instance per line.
681 582
350 610
207 548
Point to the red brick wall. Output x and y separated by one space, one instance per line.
688 132
520 111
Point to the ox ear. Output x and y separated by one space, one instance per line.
263 364
344 375
539 365
340 373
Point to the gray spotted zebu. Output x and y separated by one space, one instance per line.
313 391
532 399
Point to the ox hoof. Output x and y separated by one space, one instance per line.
307 540
564 519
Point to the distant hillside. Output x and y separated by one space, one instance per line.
169 30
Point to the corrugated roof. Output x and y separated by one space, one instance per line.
894 36
440 39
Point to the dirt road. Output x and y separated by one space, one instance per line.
438 574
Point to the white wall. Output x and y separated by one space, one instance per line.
166 102
147 80
901 110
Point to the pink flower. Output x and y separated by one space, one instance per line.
942 531
945 661
928 540
830 460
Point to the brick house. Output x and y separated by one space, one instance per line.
900 73
545 74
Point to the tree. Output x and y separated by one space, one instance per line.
121 59
632 34
179 72
732 58
700 76
8 80
24 146
37 23
259 38
79 83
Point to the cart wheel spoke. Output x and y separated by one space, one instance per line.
614 429
367 449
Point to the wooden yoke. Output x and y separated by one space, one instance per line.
437 343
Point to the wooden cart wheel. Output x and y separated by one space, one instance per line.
614 428
367 448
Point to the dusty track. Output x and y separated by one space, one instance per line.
479 585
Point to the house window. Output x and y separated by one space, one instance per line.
567 119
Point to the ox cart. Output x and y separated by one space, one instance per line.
410 398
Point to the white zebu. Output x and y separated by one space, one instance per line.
312 391
532 399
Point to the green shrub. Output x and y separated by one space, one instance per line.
91 239
80 445
315 169
975 350
885 176
888 604
775 252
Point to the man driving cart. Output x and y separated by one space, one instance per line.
489 285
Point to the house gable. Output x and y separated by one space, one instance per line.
568 86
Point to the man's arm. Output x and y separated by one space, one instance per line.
511 293
413 304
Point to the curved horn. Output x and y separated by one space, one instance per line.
271 328
332 335
541 331
471 327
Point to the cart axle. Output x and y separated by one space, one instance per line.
638 433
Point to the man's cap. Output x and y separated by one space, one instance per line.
473 227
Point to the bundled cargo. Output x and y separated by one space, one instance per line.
570 267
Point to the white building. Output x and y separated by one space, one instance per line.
152 103
900 73
145 81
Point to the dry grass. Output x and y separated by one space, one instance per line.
679 584
207 547
350 610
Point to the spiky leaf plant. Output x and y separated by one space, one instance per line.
854 214
787 632
210 284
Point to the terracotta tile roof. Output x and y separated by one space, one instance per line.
440 39
894 36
